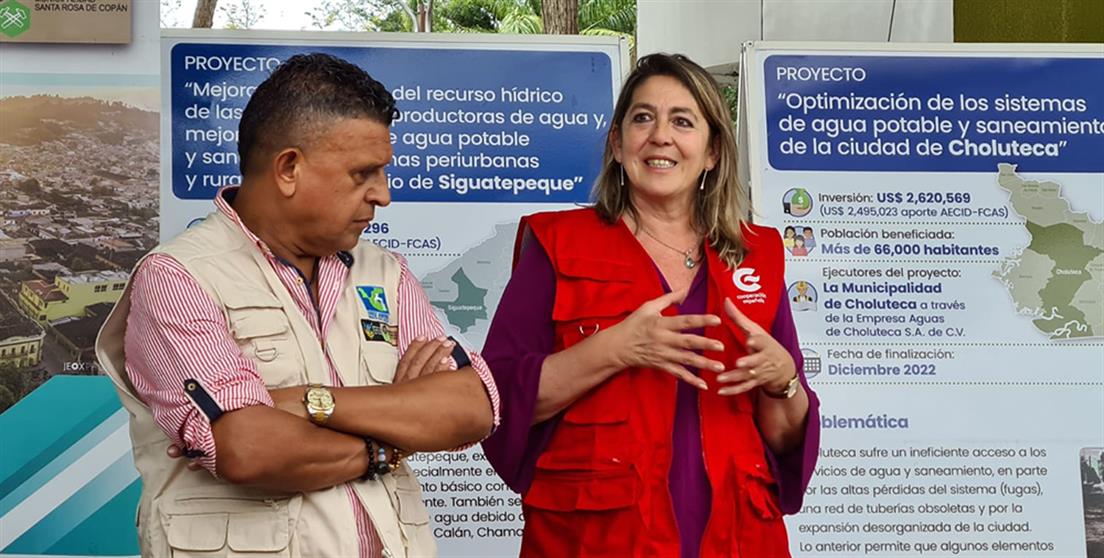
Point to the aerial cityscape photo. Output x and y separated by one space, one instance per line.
78 207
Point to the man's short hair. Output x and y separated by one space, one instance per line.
306 91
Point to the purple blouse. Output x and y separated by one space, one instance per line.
522 335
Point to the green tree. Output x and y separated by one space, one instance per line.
169 12
560 17
204 14
7 398
242 14
523 17
595 17
607 17
347 15
375 15
518 17
731 95
13 385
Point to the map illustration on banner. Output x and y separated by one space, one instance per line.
942 210
1058 279
460 289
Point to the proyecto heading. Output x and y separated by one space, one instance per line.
231 63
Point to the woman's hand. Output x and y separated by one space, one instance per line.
767 365
648 339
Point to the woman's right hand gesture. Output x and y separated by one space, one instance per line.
648 339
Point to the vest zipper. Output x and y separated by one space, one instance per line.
708 477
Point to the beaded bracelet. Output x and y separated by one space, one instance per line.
397 456
380 463
370 474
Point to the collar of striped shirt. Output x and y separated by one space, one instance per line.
225 197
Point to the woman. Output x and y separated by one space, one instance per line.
653 401
799 248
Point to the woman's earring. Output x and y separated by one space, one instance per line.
704 174
622 175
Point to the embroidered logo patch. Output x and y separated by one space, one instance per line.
375 302
747 282
745 279
380 331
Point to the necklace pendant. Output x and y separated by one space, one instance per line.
689 262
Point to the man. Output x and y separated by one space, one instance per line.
807 234
226 335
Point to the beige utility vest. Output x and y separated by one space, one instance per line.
191 513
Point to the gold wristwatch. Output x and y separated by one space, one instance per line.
788 392
320 403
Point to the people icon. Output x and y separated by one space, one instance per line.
803 297
788 237
797 202
798 241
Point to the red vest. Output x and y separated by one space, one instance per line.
601 486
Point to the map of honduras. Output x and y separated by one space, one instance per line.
1057 279
467 289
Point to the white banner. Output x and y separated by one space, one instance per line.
943 210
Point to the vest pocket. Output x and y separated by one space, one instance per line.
259 325
758 517
406 496
379 361
254 532
228 534
757 485
197 535
225 526
595 433
569 491
411 509
592 288
585 515
608 403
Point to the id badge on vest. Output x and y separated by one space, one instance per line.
376 325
